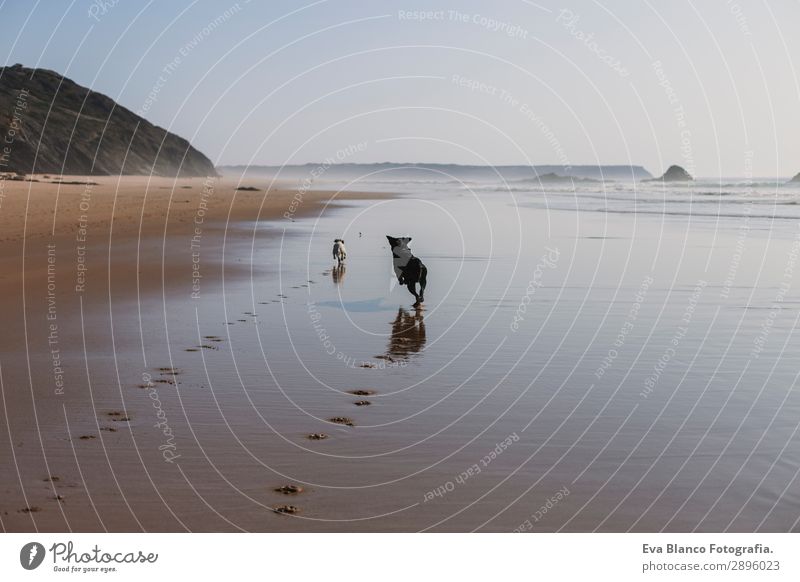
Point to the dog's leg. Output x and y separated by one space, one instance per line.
423 281
412 288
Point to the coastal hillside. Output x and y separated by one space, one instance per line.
52 125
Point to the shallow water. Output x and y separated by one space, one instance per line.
631 363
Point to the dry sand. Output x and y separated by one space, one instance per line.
75 261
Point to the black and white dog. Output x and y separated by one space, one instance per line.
408 268
339 252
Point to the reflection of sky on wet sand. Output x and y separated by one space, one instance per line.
451 385
363 306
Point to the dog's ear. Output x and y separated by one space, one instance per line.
392 240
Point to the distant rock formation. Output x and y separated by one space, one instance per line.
674 174
795 180
49 124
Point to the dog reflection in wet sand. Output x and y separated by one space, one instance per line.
337 273
408 335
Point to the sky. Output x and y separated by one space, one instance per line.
711 86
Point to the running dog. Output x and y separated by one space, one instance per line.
339 252
408 268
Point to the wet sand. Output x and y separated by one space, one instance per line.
571 370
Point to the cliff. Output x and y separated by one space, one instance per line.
49 124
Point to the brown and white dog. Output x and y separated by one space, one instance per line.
408 268
339 252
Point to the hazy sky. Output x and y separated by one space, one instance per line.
711 85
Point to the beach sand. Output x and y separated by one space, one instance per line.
82 266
